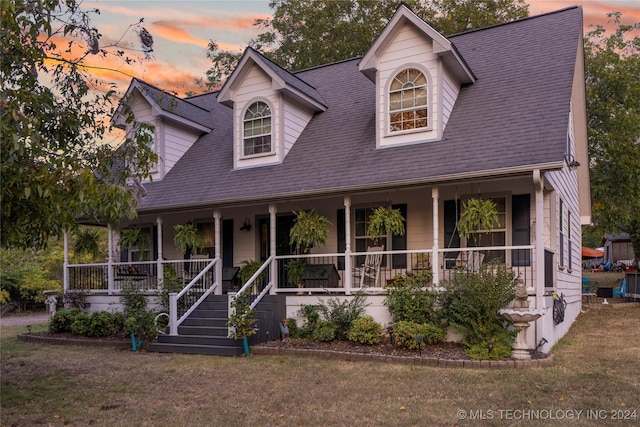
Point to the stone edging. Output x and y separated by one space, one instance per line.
79 342
415 360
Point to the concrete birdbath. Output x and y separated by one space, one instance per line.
521 315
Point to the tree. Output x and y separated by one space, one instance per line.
613 113
347 28
54 164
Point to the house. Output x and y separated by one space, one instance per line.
618 249
421 123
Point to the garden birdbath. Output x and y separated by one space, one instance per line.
51 301
521 315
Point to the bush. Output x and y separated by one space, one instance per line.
81 324
63 319
500 350
409 301
365 330
472 300
132 300
405 334
294 330
341 314
324 331
311 315
104 324
141 325
75 299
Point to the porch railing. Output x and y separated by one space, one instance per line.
202 284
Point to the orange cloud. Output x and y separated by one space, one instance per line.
172 32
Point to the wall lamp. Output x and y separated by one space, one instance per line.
246 226
571 162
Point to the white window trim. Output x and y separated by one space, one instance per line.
273 133
387 101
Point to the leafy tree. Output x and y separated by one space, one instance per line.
613 113
54 164
347 28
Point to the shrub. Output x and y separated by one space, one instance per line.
365 330
342 313
472 300
80 325
409 301
311 315
406 332
63 319
104 324
324 331
132 300
500 350
294 330
141 325
75 299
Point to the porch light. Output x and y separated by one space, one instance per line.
490 346
572 163
542 342
246 226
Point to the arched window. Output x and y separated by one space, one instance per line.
257 129
408 101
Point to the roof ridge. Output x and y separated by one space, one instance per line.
474 30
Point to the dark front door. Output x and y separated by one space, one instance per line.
284 222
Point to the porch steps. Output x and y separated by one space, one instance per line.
205 330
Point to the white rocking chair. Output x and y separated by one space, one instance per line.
371 268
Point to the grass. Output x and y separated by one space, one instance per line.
596 369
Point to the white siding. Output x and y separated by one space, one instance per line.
295 120
177 140
450 91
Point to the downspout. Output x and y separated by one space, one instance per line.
273 271
159 265
347 248
539 248
65 270
216 247
435 195
110 278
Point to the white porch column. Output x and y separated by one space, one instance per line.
435 195
273 271
110 276
218 272
160 268
539 250
65 264
348 276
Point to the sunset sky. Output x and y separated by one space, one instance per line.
182 30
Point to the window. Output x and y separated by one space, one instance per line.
208 238
257 129
569 242
408 101
363 241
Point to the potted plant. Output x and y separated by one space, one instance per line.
188 239
309 229
242 321
477 214
384 220
248 269
133 238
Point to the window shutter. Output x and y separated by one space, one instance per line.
399 243
342 241
521 229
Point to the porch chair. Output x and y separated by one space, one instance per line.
470 261
620 290
371 267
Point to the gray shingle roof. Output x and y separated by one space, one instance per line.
172 104
516 115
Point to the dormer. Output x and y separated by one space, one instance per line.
418 74
271 108
176 122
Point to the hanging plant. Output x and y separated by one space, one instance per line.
384 220
188 238
87 243
133 238
477 214
309 229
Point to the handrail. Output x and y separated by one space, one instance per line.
253 278
174 322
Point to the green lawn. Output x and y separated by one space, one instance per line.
597 370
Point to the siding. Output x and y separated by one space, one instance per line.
450 91
177 141
295 120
